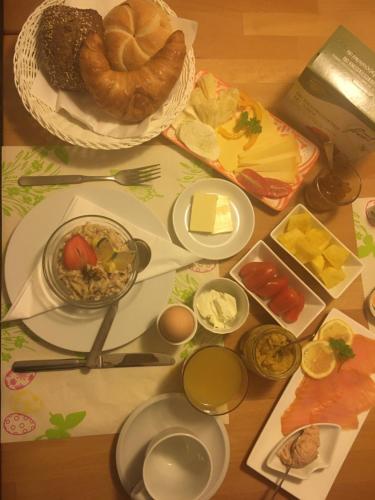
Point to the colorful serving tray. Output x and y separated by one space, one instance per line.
309 153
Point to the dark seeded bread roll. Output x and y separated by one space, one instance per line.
61 32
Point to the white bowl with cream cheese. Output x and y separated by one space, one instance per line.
221 305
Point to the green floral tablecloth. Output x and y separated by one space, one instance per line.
54 405
365 236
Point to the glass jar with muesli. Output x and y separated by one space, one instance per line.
90 261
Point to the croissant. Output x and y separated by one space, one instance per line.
134 95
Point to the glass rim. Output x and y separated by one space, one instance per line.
244 371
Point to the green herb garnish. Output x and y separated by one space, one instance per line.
251 125
342 350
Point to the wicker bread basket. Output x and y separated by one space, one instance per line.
62 124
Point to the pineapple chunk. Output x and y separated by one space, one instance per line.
305 250
301 221
318 237
317 264
289 238
336 255
332 276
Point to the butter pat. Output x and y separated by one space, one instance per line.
223 219
219 309
203 212
210 213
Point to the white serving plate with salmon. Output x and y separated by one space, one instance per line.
344 398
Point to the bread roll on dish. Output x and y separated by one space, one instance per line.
60 34
131 96
133 32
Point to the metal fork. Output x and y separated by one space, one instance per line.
131 177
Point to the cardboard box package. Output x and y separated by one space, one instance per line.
334 97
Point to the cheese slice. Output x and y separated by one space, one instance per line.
229 148
282 145
203 212
211 213
282 167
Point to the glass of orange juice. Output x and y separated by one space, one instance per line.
215 379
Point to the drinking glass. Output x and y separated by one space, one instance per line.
333 187
215 379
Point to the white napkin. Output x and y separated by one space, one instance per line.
35 296
81 106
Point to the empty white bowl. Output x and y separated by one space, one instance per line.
314 305
231 287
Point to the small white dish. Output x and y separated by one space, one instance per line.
215 246
329 434
352 267
159 413
314 305
228 286
186 338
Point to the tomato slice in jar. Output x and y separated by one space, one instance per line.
272 287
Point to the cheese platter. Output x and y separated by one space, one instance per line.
243 141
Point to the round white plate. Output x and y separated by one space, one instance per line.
329 434
76 331
157 414
215 246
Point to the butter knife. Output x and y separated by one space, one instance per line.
111 360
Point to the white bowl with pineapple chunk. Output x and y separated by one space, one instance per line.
317 250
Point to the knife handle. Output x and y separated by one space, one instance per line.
96 350
42 180
47 365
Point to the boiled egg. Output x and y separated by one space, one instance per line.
177 323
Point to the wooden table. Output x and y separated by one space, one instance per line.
260 46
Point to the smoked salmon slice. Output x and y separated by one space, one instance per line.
338 398
364 359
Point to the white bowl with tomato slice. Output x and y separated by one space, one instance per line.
90 261
271 283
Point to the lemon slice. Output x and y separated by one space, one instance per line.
200 138
318 359
336 329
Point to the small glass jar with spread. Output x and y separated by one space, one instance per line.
265 351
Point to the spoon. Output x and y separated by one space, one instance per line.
292 450
144 257
297 341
